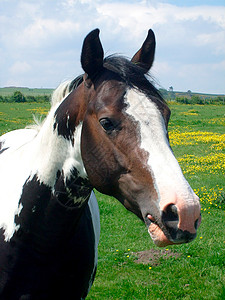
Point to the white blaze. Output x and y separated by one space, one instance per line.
164 167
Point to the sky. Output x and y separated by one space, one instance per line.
41 41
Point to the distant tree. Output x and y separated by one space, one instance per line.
172 95
184 100
18 97
189 93
197 100
220 100
31 99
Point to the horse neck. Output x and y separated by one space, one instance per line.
58 145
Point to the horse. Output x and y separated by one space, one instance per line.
106 130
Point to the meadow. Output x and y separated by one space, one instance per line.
130 265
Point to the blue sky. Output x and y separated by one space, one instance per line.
194 2
40 41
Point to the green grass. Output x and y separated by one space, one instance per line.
197 274
199 271
198 117
19 115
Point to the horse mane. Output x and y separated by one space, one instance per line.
64 89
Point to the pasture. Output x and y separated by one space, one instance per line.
130 266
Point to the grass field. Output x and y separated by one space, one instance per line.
191 271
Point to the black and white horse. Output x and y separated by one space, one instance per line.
106 130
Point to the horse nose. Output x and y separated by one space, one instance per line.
180 226
170 217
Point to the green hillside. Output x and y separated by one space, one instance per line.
174 94
7 94
8 91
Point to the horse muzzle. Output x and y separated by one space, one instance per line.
175 226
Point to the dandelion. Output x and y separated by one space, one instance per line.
210 196
39 110
195 137
149 268
213 163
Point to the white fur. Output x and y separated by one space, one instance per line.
162 164
32 152
14 172
74 159
44 155
14 139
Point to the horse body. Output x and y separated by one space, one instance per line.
106 130
46 258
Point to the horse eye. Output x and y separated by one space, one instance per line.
107 124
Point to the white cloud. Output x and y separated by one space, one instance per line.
20 67
136 17
51 33
45 30
216 40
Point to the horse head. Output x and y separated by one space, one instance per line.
124 141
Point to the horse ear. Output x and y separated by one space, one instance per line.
92 54
145 55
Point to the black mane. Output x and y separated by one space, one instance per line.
75 83
132 74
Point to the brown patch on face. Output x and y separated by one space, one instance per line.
114 162
102 159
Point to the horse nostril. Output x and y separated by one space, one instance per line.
170 216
